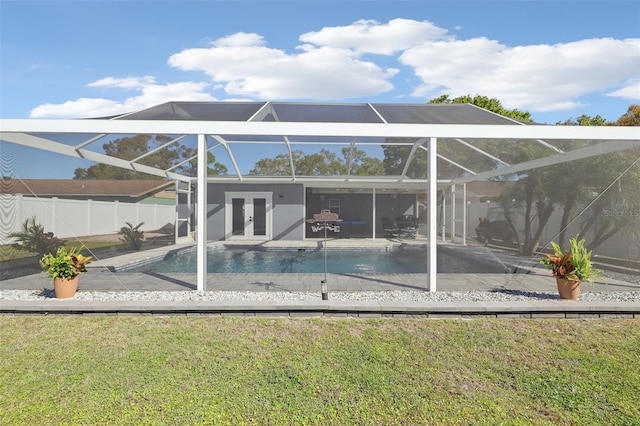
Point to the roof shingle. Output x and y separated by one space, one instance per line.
82 187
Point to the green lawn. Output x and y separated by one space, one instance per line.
261 371
8 253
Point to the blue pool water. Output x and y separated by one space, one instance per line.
312 261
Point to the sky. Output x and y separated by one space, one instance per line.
556 59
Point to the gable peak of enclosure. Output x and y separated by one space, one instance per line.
295 112
306 153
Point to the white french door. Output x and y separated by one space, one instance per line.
248 215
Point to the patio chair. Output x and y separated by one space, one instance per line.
408 226
390 229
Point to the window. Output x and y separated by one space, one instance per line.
334 206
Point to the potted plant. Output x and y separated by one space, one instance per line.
64 267
571 268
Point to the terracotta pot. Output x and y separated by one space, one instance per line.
65 288
568 289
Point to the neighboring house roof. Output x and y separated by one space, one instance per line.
83 187
488 188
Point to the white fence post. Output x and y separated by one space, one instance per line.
54 214
89 205
116 213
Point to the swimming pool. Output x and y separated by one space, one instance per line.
396 261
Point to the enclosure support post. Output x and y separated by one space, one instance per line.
432 256
443 219
191 207
464 214
324 284
453 213
373 213
201 215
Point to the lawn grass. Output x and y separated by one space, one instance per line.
8 252
283 371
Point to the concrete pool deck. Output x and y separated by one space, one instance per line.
102 278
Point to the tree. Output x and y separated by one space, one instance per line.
363 165
213 169
396 156
324 163
582 182
630 118
609 185
490 104
615 208
132 147
564 180
584 120
529 196
277 166
615 178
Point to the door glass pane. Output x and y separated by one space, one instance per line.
238 216
259 216
183 211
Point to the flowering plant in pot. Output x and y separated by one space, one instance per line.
64 267
571 268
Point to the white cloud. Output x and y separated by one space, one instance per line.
367 36
124 83
239 40
629 91
80 108
536 77
150 95
243 65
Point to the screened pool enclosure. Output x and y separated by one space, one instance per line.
406 174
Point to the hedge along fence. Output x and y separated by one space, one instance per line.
70 218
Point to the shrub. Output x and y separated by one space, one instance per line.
34 239
132 235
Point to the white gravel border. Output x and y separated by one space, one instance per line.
405 296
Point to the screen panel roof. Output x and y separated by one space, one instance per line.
197 111
242 134
320 113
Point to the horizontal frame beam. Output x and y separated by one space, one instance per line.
320 129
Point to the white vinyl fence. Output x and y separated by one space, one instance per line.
74 218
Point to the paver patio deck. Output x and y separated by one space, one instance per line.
102 278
